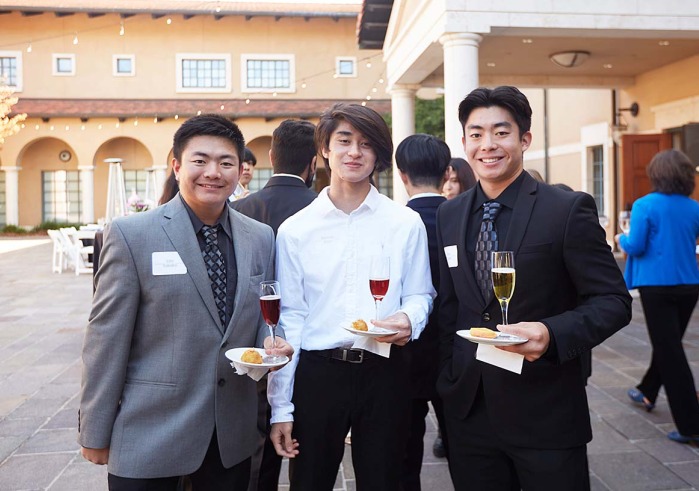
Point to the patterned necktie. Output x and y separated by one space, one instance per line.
486 243
216 268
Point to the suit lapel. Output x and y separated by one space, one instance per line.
178 228
520 215
466 264
242 247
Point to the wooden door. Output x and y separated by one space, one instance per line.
636 153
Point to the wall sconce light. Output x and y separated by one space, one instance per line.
569 59
620 124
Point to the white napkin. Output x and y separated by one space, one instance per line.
369 344
499 358
254 373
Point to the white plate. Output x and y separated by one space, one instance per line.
373 332
501 340
235 354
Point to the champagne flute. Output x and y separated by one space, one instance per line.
503 274
625 221
379 275
270 299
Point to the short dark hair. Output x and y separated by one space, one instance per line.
249 157
293 146
208 125
671 172
365 120
464 172
507 97
424 159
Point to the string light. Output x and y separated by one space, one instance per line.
67 128
198 113
36 127
177 116
222 107
29 48
368 64
247 101
121 28
75 39
155 120
380 80
99 126
303 85
117 124
135 123
82 127
363 103
168 21
51 128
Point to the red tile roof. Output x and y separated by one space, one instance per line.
165 108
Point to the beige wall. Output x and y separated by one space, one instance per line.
155 45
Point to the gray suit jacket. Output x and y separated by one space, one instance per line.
155 378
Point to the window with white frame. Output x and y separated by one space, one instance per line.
123 65
268 73
11 69
203 72
596 163
346 66
259 179
61 196
135 182
63 64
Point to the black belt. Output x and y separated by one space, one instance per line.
350 355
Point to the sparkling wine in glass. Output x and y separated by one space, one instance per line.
270 299
503 275
379 275
625 221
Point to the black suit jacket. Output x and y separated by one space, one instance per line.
423 352
566 278
281 197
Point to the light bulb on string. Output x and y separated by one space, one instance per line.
82 127
363 103
368 64
177 116
380 80
303 85
374 90
29 48
168 21
36 127
155 120
67 128
51 128
135 123
117 124
247 101
368 98
222 107
198 113
121 28
99 126
75 38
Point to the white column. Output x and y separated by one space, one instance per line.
403 122
87 188
12 195
460 78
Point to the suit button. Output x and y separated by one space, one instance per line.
221 382
486 317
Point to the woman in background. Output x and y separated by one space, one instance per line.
170 189
662 264
458 178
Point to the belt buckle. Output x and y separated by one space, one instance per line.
361 355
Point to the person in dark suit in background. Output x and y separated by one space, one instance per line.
293 157
422 161
510 431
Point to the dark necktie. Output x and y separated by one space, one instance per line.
216 268
487 242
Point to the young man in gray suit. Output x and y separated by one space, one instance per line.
177 287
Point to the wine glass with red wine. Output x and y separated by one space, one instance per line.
379 275
270 298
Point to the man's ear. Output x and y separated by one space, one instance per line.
526 140
403 178
176 168
314 163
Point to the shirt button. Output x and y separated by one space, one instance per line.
486 317
221 382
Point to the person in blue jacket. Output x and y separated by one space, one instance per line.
662 264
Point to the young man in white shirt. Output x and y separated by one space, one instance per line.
341 380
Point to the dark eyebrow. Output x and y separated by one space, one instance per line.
502 124
343 133
204 154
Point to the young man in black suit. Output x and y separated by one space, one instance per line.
527 431
293 157
422 161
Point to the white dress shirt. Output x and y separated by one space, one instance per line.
323 257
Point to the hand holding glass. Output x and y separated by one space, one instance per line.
379 275
502 268
270 299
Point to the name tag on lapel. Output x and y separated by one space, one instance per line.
452 256
168 263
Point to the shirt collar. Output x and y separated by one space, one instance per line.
198 224
424 195
372 201
282 174
507 198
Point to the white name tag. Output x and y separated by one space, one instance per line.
167 263
452 256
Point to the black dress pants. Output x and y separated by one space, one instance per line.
480 461
667 310
330 396
211 476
